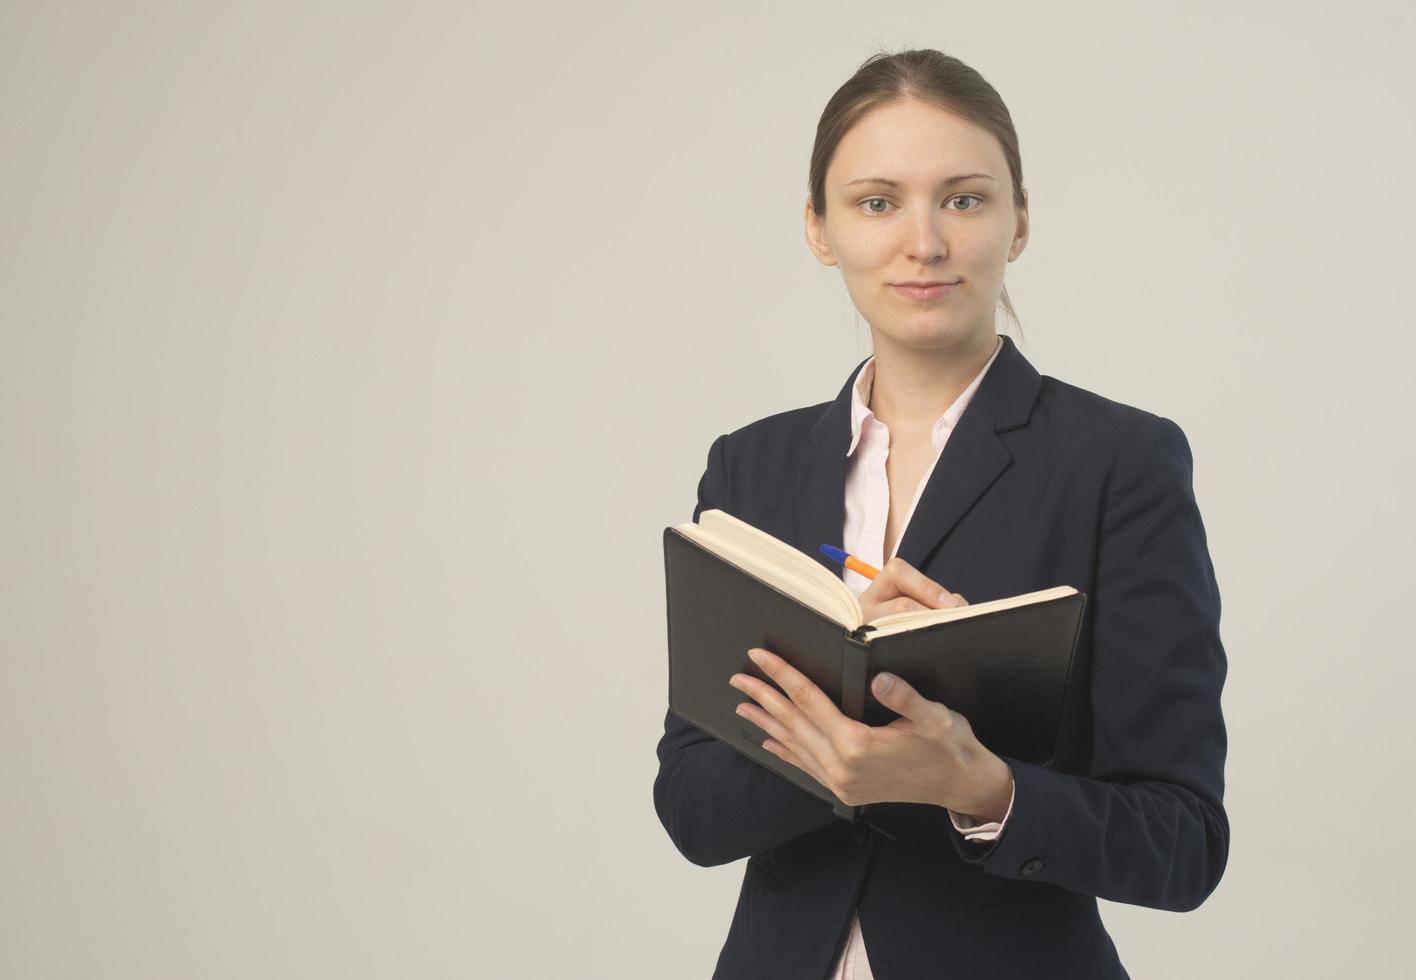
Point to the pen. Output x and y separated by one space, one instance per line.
850 561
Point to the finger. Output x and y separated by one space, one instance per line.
814 717
900 696
910 581
903 604
787 755
780 738
782 720
763 720
906 604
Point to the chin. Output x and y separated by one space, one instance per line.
934 336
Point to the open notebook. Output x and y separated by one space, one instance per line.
1005 664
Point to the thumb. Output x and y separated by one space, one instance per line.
900 696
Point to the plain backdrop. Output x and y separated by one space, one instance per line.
354 356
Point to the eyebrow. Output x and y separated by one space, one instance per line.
895 183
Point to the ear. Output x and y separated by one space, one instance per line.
1020 237
816 235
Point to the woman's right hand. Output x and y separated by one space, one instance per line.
900 587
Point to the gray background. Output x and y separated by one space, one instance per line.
353 357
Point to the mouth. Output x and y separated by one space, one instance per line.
925 290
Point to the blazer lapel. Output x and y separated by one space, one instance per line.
819 497
973 458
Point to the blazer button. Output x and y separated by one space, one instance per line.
1032 867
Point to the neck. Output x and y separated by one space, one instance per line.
912 387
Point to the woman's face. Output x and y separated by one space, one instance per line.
902 206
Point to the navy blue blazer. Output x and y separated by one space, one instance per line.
1040 484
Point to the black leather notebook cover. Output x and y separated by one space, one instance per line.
1006 672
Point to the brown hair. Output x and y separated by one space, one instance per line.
930 76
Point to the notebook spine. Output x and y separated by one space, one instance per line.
855 655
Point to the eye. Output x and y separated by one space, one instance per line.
957 197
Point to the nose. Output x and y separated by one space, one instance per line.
927 243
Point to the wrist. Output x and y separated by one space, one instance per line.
989 803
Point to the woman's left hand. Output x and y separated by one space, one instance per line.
928 755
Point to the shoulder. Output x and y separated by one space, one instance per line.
1069 406
765 453
761 454
775 435
1118 449
1139 456
1115 428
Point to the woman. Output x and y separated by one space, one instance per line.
949 462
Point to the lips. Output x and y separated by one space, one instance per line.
923 291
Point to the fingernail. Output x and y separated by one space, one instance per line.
946 597
756 657
883 682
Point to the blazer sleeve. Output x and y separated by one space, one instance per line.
716 804
1147 826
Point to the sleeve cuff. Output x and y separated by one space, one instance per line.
983 832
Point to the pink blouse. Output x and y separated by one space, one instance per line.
867 508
